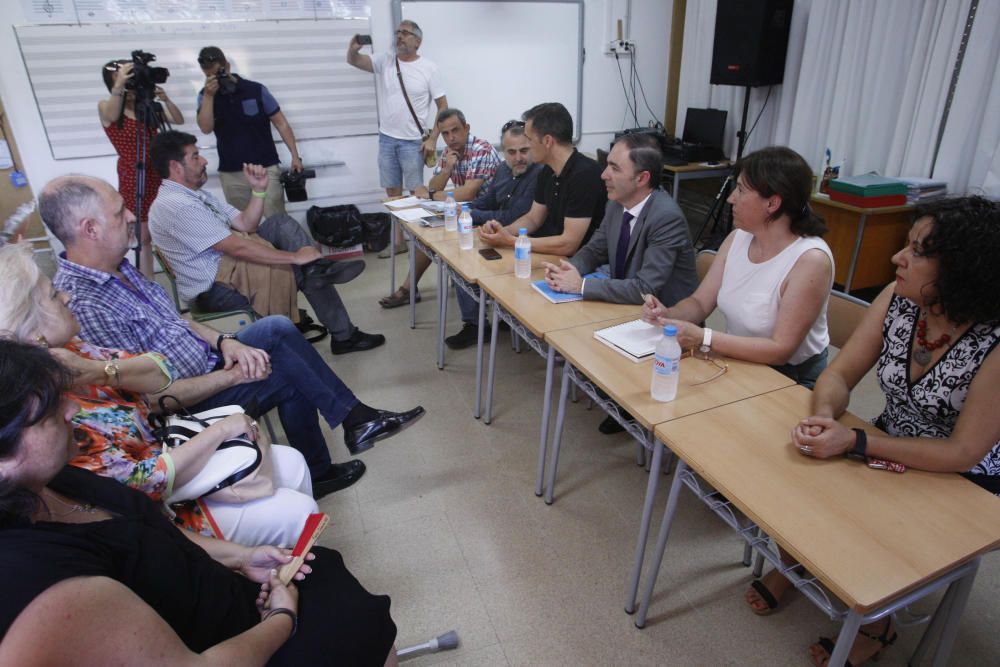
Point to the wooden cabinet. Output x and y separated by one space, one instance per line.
863 240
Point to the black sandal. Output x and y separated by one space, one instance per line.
884 639
765 594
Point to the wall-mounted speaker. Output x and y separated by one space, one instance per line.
751 40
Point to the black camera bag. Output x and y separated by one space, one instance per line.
336 226
377 227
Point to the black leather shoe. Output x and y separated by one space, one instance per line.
338 477
610 426
363 437
467 337
332 272
358 342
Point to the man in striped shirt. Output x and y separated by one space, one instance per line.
193 229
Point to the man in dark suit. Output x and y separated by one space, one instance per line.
643 237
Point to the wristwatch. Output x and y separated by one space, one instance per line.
858 453
222 337
706 341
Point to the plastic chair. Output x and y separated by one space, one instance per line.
703 262
198 315
203 316
843 314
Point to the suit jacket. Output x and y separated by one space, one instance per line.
660 258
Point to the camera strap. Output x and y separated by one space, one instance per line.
409 105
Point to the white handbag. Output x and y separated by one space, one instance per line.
238 471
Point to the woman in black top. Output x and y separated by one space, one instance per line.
96 575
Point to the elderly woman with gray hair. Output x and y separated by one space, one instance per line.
112 430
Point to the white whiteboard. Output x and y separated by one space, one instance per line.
301 62
499 59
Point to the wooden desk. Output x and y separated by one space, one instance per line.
694 171
876 540
532 316
590 364
863 240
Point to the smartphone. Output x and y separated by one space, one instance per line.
490 253
364 40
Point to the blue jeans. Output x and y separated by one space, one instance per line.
805 372
468 306
300 384
400 162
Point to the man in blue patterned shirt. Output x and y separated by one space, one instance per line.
268 363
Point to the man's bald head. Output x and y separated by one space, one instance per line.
66 200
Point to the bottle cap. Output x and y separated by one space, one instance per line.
670 330
465 208
523 231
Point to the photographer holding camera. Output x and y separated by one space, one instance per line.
241 113
125 130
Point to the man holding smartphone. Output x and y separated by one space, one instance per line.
407 84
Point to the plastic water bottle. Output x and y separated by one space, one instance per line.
465 229
450 213
666 366
522 254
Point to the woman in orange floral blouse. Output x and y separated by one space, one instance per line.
112 428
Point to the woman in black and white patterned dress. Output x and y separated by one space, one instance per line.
934 335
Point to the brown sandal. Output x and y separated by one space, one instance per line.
401 297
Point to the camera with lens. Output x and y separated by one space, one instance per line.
295 183
144 77
227 84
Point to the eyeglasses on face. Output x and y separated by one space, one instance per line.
511 123
406 33
205 61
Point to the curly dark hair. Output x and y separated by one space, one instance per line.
32 383
965 239
778 170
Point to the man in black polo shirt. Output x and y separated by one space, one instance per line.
570 196
241 113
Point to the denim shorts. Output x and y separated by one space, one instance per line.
400 162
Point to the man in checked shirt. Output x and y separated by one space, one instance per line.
470 163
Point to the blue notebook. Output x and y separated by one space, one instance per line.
563 297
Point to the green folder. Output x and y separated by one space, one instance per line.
869 185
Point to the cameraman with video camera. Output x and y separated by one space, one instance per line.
241 113
127 133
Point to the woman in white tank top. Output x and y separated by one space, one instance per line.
771 278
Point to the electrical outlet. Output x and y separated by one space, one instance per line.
621 47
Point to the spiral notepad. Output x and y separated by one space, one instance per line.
635 340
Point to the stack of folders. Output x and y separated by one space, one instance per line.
922 189
634 340
868 191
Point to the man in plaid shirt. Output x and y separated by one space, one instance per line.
469 162
268 363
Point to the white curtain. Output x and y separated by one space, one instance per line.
866 78
969 158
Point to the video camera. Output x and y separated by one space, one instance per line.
295 183
145 78
227 85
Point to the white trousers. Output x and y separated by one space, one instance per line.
277 519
